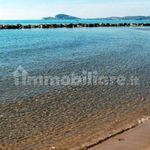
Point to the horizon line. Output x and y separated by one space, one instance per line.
74 16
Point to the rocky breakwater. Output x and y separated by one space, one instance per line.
80 25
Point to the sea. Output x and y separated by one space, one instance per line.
74 21
115 52
42 51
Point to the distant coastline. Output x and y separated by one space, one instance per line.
61 16
65 16
67 21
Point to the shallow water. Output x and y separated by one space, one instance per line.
72 116
62 51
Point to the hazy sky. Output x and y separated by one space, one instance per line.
36 9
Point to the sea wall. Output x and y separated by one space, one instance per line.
80 25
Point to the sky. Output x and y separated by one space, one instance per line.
37 9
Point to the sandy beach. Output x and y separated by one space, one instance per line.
137 138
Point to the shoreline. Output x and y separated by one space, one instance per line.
130 134
79 25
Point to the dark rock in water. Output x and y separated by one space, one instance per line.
107 25
113 25
146 24
91 25
70 26
1 27
27 26
126 24
12 26
75 25
45 26
35 26
80 25
102 25
97 25
61 25
121 24
19 26
85 25
56 26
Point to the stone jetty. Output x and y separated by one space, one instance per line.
80 25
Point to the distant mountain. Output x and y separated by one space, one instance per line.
64 16
129 18
137 17
61 16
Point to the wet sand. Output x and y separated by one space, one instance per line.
137 138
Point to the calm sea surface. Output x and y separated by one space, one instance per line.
70 21
45 52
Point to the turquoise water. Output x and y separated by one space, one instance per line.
93 111
65 50
24 22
